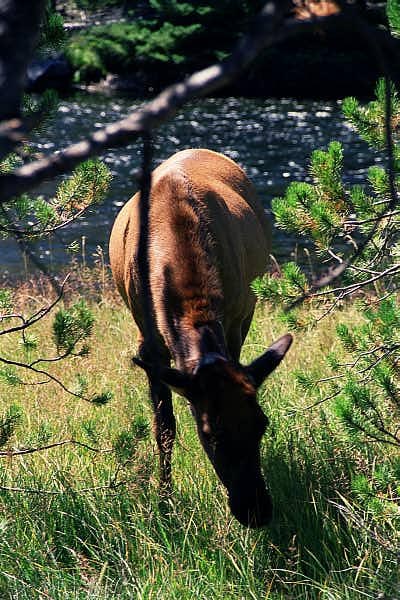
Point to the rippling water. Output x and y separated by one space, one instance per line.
271 139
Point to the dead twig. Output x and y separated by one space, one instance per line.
25 451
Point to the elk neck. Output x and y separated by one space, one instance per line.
195 336
189 301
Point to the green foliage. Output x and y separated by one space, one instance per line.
357 407
120 47
283 289
377 495
346 337
289 285
91 430
29 342
336 217
52 32
102 398
39 108
368 399
179 36
173 9
9 374
211 16
393 14
87 186
72 326
85 59
316 210
165 44
9 420
6 301
92 5
41 435
369 120
326 170
126 443
10 162
305 380
81 385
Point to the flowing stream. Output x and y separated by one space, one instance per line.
271 139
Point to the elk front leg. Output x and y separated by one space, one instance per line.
164 420
164 430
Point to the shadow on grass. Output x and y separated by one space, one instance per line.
303 516
310 544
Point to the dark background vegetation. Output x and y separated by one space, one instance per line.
145 45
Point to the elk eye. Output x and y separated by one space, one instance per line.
205 424
206 429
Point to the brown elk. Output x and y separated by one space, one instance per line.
208 239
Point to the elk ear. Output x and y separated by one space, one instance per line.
171 377
260 368
177 380
142 364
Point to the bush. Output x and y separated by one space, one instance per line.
183 35
120 47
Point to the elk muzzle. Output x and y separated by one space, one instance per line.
250 502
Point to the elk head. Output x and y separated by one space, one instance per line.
230 424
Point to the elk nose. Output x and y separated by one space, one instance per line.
251 508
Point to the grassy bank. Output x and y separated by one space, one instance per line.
117 541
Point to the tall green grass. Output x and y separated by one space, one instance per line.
120 541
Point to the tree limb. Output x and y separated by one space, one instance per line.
19 27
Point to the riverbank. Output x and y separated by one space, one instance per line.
144 49
304 68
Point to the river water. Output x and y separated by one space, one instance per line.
271 139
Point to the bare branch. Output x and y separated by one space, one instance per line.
357 285
24 451
28 367
96 488
314 404
36 316
387 215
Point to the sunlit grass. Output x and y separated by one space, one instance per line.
120 541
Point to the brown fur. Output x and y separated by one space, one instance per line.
208 239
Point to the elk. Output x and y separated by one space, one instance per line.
208 238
